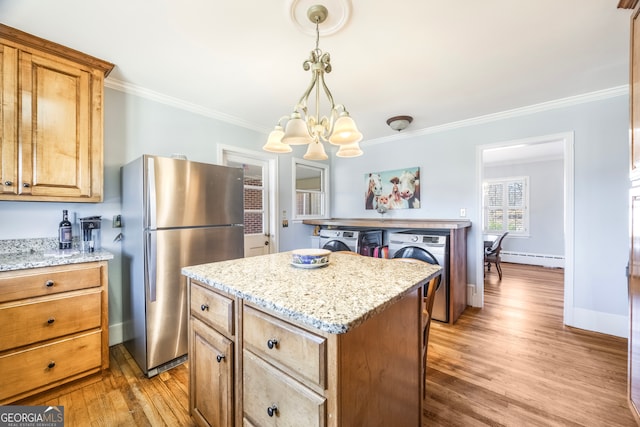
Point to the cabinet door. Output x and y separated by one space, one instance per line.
211 362
8 120
55 127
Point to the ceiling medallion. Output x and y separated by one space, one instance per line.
337 19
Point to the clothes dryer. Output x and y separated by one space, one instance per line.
349 239
430 248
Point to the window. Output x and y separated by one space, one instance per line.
310 184
506 206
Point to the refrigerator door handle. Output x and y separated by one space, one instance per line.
150 271
151 197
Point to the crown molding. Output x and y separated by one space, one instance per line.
180 104
516 112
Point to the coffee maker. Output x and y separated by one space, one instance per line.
90 231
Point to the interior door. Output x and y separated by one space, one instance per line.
258 235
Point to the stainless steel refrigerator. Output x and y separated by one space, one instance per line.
175 213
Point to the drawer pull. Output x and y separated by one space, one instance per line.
272 410
51 320
51 365
220 358
26 185
204 307
8 183
49 283
272 343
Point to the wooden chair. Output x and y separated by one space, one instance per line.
492 254
429 296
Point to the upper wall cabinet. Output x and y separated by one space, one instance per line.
51 120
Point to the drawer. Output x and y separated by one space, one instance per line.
293 349
31 369
212 308
34 321
266 387
36 282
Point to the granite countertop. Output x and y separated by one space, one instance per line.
21 254
334 299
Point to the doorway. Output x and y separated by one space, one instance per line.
558 146
260 232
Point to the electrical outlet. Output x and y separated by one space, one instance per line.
285 223
463 212
117 221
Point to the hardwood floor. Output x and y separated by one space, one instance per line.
124 397
511 363
514 363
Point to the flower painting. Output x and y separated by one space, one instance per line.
396 189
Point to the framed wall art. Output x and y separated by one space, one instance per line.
394 189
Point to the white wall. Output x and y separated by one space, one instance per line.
135 126
546 204
448 183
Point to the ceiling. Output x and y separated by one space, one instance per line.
438 61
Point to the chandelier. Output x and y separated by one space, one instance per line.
304 127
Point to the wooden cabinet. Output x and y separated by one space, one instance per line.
284 375
634 257
55 327
211 357
264 369
51 122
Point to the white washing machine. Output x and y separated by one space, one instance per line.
433 249
348 240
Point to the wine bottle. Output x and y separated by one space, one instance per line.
64 232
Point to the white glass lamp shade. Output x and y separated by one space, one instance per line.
296 132
315 151
349 150
274 142
345 131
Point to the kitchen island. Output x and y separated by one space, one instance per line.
275 344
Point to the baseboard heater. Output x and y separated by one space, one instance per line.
543 260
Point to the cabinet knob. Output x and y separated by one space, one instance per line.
51 320
26 185
204 307
51 365
8 183
272 343
220 358
49 283
272 410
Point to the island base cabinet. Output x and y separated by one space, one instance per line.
211 360
272 398
379 368
287 373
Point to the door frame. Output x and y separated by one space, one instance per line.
567 139
272 185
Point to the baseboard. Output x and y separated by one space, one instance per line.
543 260
116 334
597 321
